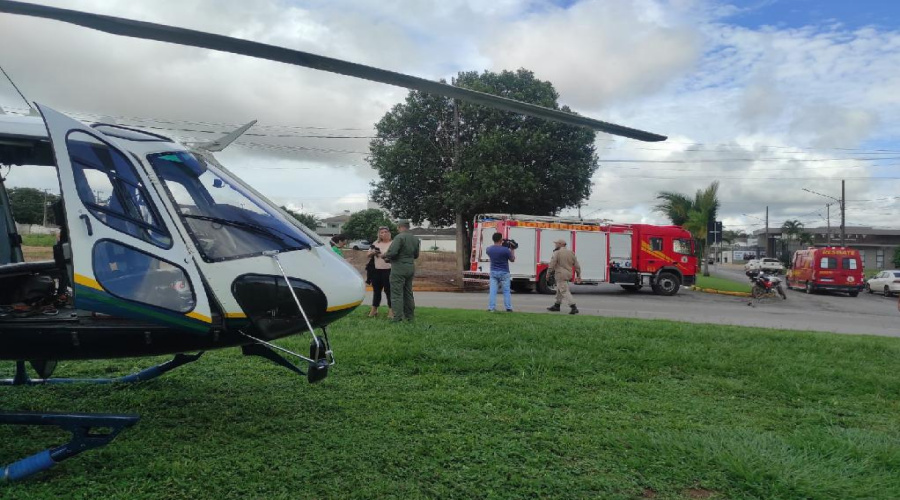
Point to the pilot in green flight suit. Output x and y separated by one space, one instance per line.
402 253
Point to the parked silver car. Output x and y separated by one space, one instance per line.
360 244
886 282
765 264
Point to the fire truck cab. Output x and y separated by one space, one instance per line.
631 255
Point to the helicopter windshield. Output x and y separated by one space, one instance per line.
225 220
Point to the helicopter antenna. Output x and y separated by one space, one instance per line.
33 111
224 141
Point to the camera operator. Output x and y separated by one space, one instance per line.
501 253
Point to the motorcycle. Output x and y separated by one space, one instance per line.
765 286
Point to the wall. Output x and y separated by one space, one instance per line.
23 229
426 245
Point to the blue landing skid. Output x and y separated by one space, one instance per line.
89 431
21 377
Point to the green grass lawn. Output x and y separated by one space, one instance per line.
39 240
467 404
722 284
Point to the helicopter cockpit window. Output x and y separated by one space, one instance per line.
225 220
110 188
133 275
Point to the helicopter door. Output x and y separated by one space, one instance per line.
128 259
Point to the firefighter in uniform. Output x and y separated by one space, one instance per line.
562 265
402 253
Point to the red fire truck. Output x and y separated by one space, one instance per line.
836 269
631 255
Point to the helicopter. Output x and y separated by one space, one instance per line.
163 251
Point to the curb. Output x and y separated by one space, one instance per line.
428 288
720 292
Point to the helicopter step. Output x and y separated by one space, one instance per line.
89 431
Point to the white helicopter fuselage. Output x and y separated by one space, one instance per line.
161 233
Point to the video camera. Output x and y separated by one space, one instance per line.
510 244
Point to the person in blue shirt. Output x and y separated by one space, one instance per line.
500 257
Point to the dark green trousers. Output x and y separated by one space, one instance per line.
402 302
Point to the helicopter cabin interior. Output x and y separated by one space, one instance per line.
28 288
36 289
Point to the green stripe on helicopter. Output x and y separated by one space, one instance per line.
96 300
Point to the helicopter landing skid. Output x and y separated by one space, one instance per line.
21 377
89 431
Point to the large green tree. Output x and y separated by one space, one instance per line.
28 205
363 225
694 215
446 161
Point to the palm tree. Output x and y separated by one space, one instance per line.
792 228
694 215
675 206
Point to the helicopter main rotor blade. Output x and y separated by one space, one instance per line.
192 38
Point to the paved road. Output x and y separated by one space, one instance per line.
865 314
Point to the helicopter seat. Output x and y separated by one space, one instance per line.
26 282
20 268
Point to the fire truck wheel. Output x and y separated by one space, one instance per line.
666 284
542 286
632 288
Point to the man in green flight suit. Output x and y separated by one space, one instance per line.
402 253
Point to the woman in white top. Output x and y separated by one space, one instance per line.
381 280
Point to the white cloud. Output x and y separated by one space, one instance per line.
598 52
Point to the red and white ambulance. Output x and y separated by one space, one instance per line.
631 255
836 269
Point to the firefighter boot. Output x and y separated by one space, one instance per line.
554 307
574 310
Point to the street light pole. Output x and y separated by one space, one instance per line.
841 204
843 212
767 230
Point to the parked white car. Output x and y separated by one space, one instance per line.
886 282
359 245
765 264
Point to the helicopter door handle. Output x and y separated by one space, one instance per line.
87 222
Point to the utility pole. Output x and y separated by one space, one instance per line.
461 244
46 191
843 211
828 212
767 231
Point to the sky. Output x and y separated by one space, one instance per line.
768 97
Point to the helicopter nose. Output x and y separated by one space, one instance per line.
269 304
